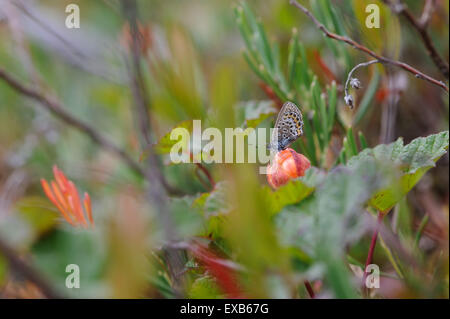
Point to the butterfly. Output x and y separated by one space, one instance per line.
288 127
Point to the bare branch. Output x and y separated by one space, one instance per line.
427 13
54 107
360 47
157 194
19 266
421 27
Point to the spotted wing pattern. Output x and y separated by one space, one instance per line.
289 125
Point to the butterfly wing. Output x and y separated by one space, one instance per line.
289 125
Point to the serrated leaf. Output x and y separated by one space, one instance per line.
414 159
337 207
214 206
215 202
322 225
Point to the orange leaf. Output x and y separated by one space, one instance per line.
87 207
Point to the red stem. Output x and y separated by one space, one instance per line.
372 246
309 289
207 174
205 171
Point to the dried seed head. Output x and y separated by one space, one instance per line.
355 83
349 100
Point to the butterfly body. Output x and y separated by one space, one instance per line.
288 127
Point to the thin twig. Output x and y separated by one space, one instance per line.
69 49
55 107
422 226
421 27
205 171
360 47
156 193
48 29
427 12
207 174
201 179
348 98
390 257
309 288
27 271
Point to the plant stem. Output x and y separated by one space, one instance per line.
52 105
418 74
422 226
19 266
421 27
207 174
156 192
309 289
372 246
391 258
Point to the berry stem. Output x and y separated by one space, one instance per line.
372 247
309 289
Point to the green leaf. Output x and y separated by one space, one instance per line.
165 144
322 225
420 229
336 21
205 287
188 222
254 67
332 101
294 226
337 207
38 212
160 279
362 141
262 59
315 93
266 46
54 252
293 192
305 75
351 141
414 159
3 270
347 148
310 147
215 202
214 206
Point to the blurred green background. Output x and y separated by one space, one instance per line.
196 64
